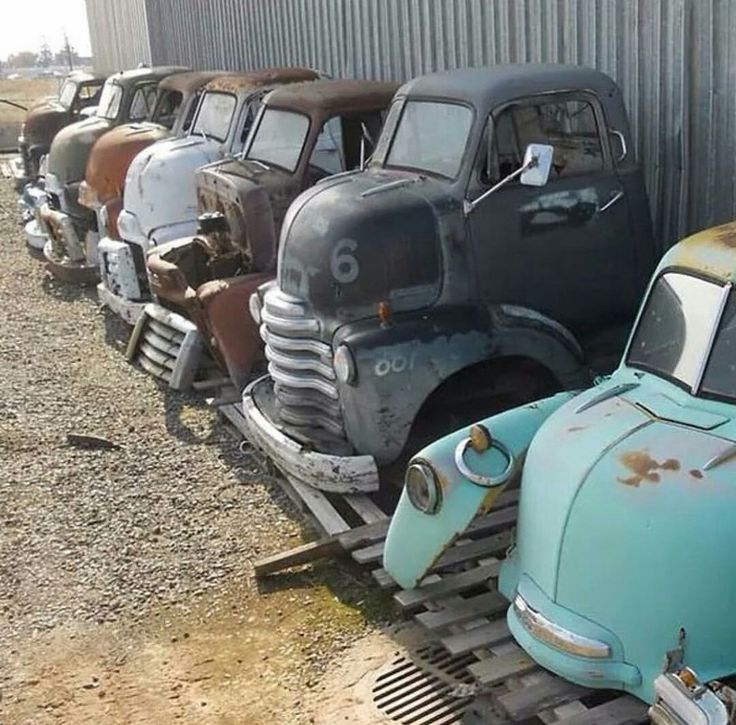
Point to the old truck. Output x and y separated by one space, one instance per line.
78 96
304 133
172 115
441 278
620 575
71 249
160 199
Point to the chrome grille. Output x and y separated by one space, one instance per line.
300 364
118 269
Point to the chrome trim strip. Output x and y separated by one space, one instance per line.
297 344
604 395
299 363
287 324
302 381
552 634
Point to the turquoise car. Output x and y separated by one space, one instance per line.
619 577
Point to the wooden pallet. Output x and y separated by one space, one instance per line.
457 602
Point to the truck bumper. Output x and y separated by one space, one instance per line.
166 345
338 474
36 238
119 288
68 258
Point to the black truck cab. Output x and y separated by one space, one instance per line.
437 273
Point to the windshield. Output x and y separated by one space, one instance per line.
677 334
67 93
279 138
214 115
431 136
110 99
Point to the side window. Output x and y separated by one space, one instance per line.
142 103
167 107
250 116
569 126
186 124
327 154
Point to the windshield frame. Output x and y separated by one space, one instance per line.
696 388
121 99
233 115
75 86
467 149
254 133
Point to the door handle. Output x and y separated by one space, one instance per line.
616 196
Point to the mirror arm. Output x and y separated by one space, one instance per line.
469 206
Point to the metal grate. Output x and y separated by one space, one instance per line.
425 687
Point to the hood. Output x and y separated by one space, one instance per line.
253 199
160 188
112 153
70 149
43 121
355 240
415 540
622 522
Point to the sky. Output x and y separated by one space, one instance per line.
24 24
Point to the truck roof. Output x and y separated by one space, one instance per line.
189 81
332 96
82 76
139 74
711 252
490 86
238 82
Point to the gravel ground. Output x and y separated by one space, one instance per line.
126 573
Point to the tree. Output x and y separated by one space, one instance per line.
45 56
24 59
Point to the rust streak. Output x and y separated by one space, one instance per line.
695 473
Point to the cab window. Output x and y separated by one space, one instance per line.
327 154
142 103
569 125
167 106
89 95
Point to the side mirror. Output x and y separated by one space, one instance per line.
537 164
534 171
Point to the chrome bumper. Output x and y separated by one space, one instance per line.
683 700
128 310
119 287
166 345
338 474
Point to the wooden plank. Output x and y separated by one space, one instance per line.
625 710
365 507
383 579
365 535
449 584
493 670
487 635
210 383
325 547
325 513
550 692
233 413
496 544
466 609
369 554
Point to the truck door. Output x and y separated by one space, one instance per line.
565 249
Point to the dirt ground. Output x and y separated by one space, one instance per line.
126 585
24 91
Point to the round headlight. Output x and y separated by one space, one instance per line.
345 365
254 305
422 487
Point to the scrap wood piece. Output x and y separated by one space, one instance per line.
327 547
494 670
486 635
91 442
484 605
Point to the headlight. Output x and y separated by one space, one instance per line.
345 365
422 487
254 305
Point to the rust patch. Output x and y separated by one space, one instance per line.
724 234
695 473
645 468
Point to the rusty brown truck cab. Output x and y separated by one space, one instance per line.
304 133
108 163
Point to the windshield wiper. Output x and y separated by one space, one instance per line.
388 186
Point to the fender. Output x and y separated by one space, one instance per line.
415 540
400 364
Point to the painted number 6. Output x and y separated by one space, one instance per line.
343 264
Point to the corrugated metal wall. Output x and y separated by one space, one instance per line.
673 59
119 33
